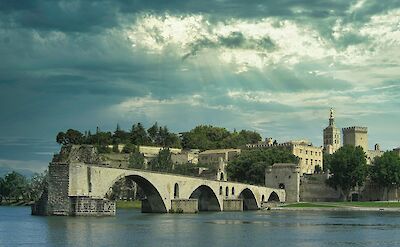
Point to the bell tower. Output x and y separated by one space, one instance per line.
331 135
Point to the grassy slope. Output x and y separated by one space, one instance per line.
308 205
345 204
129 204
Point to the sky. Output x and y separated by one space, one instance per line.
275 67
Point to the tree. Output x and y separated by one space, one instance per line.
136 159
327 162
14 186
162 162
386 170
349 169
3 192
153 133
128 148
139 135
37 185
115 148
250 165
120 136
209 137
70 137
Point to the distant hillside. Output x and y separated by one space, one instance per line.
5 170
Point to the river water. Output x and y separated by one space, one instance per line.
254 228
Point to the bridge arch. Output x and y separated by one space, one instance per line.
207 200
153 203
249 200
273 197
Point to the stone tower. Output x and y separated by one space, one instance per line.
356 136
331 135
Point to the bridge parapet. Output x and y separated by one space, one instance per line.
71 181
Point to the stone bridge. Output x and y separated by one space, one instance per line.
81 189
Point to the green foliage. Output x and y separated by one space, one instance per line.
156 136
120 136
250 165
318 169
162 162
3 190
327 162
136 159
386 170
115 148
100 139
14 185
184 169
129 148
103 149
70 137
138 135
37 185
205 137
202 137
349 169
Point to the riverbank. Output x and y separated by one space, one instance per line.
16 203
340 206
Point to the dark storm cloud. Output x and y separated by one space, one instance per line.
241 9
95 15
66 16
64 62
234 40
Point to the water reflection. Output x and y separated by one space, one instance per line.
132 228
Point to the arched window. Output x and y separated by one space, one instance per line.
176 191
233 190
227 191
220 190
221 177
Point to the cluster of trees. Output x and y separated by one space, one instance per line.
349 169
163 163
206 137
202 137
15 187
249 166
138 135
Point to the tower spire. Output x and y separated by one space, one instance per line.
331 118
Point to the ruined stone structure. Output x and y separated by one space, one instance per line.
313 188
309 156
284 176
219 158
331 136
261 144
299 187
77 187
186 157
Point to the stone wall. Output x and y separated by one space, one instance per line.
40 207
233 205
184 206
374 192
313 188
284 176
85 206
58 200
